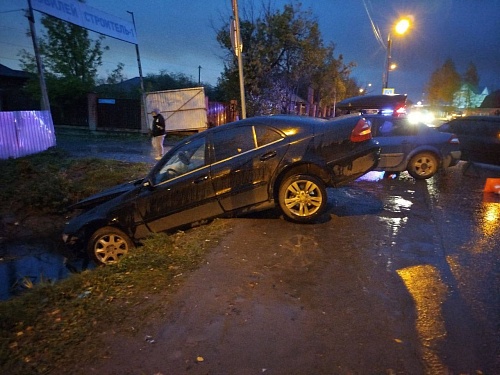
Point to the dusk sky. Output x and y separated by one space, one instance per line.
179 36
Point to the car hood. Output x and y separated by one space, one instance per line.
106 195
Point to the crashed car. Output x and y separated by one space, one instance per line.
414 147
248 165
406 145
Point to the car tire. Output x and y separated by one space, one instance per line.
423 166
108 245
302 198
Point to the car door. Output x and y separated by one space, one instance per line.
245 160
181 190
397 138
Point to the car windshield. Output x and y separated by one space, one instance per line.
186 158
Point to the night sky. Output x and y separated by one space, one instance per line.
179 37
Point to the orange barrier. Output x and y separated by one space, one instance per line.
492 185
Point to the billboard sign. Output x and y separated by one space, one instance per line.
87 17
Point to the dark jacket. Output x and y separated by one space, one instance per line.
158 127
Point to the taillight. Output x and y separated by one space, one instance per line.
362 131
401 111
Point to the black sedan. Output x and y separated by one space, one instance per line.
248 165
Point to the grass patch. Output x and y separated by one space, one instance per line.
54 325
50 181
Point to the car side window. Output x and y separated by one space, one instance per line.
187 158
235 141
266 135
386 128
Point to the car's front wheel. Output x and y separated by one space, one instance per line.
423 166
107 245
302 198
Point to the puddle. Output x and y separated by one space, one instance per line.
28 265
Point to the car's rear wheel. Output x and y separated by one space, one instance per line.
108 245
423 165
302 198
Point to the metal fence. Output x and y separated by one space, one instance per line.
25 132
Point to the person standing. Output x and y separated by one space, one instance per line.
157 133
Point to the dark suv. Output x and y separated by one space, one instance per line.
479 137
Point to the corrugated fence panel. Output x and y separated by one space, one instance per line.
25 132
183 109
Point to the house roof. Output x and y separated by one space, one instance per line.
492 100
11 73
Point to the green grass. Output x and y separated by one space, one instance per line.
57 324
49 181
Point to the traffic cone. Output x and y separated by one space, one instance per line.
492 185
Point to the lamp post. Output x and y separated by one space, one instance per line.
401 27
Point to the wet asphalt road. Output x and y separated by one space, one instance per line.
401 277
407 271
426 256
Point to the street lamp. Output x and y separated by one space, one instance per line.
401 27
365 90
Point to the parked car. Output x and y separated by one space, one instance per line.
479 137
245 166
414 147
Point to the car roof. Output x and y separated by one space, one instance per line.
494 119
278 121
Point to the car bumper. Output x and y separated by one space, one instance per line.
452 159
349 169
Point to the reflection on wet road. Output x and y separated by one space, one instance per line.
442 238
429 292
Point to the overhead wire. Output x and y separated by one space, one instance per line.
375 28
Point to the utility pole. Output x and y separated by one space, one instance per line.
39 62
238 50
143 94
199 75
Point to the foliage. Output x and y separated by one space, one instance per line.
471 77
71 60
116 75
284 56
116 88
443 84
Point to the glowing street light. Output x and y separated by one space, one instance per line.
401 27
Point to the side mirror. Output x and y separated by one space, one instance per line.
147 183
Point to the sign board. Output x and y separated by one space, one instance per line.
387 91
87 17
106 101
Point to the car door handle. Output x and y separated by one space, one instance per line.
201 179
268 155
